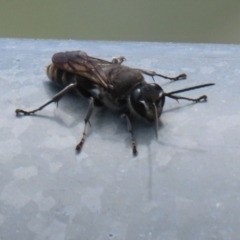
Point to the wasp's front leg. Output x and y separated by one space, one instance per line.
199 99
55 99
129 128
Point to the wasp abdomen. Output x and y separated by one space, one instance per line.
63 78
60 77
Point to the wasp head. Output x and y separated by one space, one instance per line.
147 100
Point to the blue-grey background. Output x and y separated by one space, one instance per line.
215 21
183 186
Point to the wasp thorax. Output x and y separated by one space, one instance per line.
147 101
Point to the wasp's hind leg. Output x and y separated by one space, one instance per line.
118 60
129 128
86 120
55 99
152 74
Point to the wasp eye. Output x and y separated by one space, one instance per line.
136 95
136 101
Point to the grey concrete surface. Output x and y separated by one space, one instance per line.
185 185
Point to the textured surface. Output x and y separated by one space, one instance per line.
183 186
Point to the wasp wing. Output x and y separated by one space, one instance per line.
78 62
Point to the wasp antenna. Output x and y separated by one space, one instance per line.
189 89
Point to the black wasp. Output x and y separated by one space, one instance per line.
113 85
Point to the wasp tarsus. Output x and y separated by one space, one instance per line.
110 84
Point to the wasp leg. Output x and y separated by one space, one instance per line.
129 128
56 99
86 120
152 74
202 98
118 60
